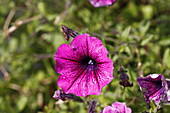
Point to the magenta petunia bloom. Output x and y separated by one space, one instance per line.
117 107
154 87
84 66
99 3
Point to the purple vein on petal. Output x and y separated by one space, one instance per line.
96 77
69 59
78 75
82 53
153 92
87 44
102 62
83 78
100 73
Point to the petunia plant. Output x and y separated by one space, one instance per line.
85 68
104 62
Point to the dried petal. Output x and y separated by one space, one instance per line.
60 95
124 78
92 106
69 32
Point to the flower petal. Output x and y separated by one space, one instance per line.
153 87
121 107
99 3
89 46
103 77
117 107
66 57
84 82
109 109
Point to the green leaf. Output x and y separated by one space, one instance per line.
21 103
121 49
147 11
153 108
144 27
85 13
166 57
146 40
127 50
41 7
126 32
13 45
45 27
165 42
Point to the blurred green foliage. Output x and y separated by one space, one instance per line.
30 33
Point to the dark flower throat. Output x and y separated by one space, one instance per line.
88 62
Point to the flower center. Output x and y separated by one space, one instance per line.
88 62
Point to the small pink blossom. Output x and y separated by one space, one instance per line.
99 3
117 107
84 66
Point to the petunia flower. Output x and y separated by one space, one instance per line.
100 3
84 66
154 87
117 107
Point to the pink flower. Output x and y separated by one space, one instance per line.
84 66
117 107
154 87
99 3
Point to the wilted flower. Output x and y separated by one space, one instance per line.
84 66
124 78
60 95
117 107
154 87
69 32
99 3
